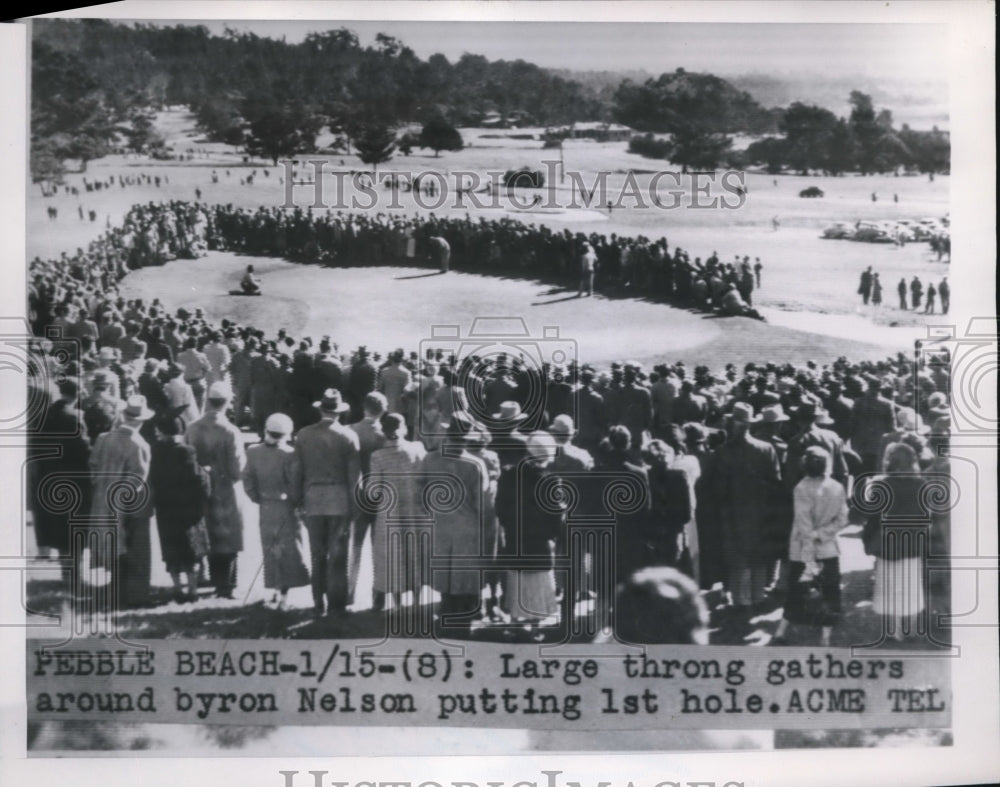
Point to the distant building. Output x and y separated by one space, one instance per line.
602 132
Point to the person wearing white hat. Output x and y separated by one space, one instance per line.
326 471
569 458
532 521
267 480
505 428
120 460
219 446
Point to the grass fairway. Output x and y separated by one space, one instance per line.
384 308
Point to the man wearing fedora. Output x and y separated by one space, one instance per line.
508 440
362 380
591 418
219 447
742 477
119 466
325 472
811 418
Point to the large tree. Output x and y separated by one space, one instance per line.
280 130
692 147
809 135
682 100
438 134
375 144
699 111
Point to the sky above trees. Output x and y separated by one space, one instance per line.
911 51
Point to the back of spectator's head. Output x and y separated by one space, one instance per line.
69 390
375 404
815 461
393 425
619 438
170 424
658 452
660 605
900 458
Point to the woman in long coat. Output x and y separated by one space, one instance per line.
530 531
180 492
393 488
119 465
898 537
267 482
456 491
65 468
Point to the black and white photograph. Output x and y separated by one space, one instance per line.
501 383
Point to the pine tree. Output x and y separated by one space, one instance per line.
375 144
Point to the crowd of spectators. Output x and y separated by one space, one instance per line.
740 478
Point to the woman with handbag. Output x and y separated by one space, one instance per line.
820 512
897 536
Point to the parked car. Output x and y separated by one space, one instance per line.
811 192
838 230
911 230
928 228
870 232
897 230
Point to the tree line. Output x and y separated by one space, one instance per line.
697 112
96 85
816 140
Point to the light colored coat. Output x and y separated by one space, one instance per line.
396 483
119 464
820 513
456 487
267 480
